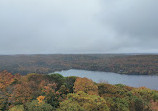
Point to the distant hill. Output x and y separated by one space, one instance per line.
43 64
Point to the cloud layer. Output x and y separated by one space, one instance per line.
78 26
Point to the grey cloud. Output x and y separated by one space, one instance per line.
80 26
136 18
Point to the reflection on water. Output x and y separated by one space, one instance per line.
114 78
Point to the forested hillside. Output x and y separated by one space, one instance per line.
37 92
44 64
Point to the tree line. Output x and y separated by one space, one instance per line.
44 64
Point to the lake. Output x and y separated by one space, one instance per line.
114 78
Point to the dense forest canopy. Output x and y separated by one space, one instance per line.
37 92
44 64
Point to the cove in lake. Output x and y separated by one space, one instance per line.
114 78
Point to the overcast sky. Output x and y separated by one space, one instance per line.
78 26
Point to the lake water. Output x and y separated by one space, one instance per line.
114 78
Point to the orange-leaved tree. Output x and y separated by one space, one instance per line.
7 82
21 94
6 79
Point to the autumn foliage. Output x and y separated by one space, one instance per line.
81 101
36 92
85 85
6 79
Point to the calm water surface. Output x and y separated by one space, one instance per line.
114 78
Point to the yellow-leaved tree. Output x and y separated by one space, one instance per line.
81 101
85 85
